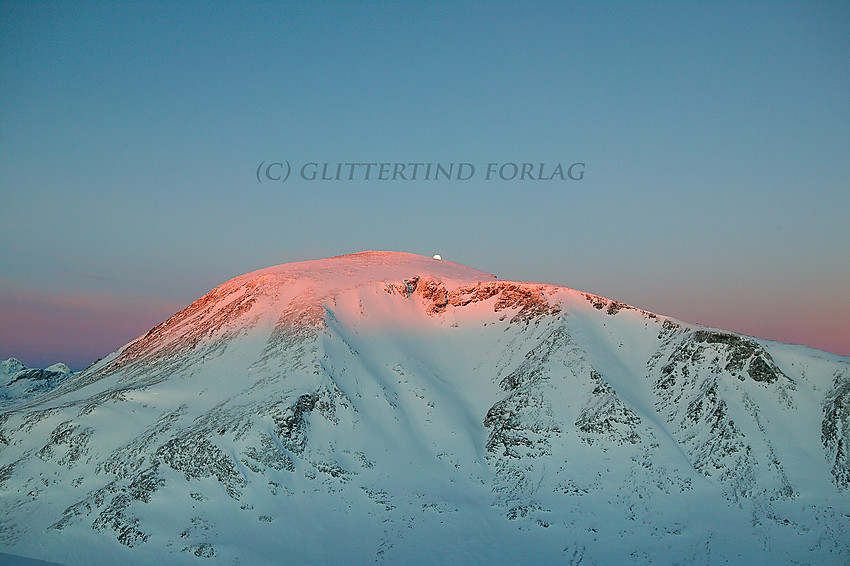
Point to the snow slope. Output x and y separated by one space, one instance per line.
390 408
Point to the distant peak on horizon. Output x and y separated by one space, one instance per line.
10 366
14 365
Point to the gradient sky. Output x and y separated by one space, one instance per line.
716 140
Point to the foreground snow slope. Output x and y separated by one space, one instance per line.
391 408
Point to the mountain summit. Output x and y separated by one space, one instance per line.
385 407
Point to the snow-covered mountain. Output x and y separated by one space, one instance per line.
18 382
389 408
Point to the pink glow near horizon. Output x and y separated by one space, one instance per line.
40 329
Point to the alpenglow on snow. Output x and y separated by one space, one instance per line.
390 408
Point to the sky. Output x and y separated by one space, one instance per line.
134 141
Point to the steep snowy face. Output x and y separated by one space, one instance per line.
387 407
265 304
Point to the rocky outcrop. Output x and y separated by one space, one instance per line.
835 429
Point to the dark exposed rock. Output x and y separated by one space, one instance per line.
597 302
435 293
693 377
128 459
6 473
408 287
291 424
144 484
515 430
38 375
613 307
532 367
201 550
604 417
117 517
738 355
197 457
835 429
23 384
269 455
67 434
529 299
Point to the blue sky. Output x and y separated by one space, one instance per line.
716 141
